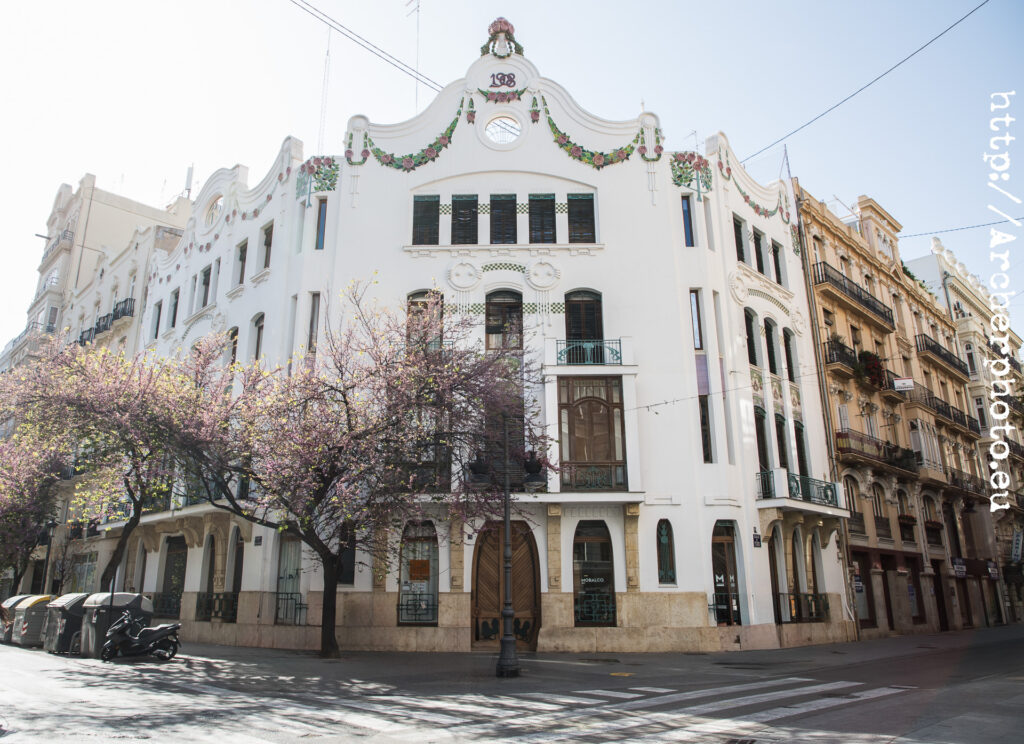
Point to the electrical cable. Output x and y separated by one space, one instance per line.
956 229
869 84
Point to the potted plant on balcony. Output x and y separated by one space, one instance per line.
873 371
909 519
933 524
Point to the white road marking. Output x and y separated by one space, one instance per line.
565 699
652 689
766 697
505 701
707 692
611 694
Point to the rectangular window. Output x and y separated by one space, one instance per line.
591 434
542 218
737 233
321 224
425 219
979 406
503 219
174 307
242 250
157 309
705 427
581 218
204 280
780 440
268 243
777 261
464 220
687 221
698 328
758 251
314 321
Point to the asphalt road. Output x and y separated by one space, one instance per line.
939 689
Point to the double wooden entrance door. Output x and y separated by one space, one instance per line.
489 585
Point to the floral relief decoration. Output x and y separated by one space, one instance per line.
501 26
534 111
781 207
495 96
349 152
658 149
412 161
689 168
318 173
594 159
794 233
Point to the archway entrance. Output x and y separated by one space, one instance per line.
489 586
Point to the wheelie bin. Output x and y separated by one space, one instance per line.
7 616
99 614
29 616
63 633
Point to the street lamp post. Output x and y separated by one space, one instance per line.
50 527
508 660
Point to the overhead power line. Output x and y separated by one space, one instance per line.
956 229
870 83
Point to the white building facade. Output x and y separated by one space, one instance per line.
663 294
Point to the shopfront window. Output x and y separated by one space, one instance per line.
592 575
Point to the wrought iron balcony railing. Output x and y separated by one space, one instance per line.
217 606
839 353
103 323
289 608
765 484
167 604
816 491
802 607
825 274
87 336
965 481
593 476
856 523
124 309
853 442
1009 357
1016 450
592 351
890 385
927 344
883 527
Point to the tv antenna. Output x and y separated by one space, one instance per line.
416 84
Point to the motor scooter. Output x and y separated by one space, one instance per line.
127 637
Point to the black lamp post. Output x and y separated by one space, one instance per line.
50 527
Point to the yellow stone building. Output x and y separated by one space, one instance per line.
902 441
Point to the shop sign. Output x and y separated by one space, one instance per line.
757 540
903 383
959 568
419 570
993 570
1018 545
858 585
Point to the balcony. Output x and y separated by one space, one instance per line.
1016 450
966 482
765 484
594 351
929 346
781 489
124 309
840 359
1008 357
167 605
32 330
883 527
856 523
852 293
593 476
805 488
889 391
221 606
87 336
103 323
852 445
802 608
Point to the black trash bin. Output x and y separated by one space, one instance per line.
63 631
7 615
99 614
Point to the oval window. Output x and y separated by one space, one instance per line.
503 130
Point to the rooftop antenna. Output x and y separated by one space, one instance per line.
323 95
416 10
188 182
785 164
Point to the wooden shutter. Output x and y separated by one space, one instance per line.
425 217
581 218
503 219
464 220
542 218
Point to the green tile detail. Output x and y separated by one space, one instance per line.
445 209
561 208
483 208
523 208
530 307
476 308
504 267
557 307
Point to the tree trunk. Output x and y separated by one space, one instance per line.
328 641
110 571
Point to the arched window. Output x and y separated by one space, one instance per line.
799 558
750 324
781 441
233 345
666 553
417 591
878 500
593 576
761 432
504 320
236 561
770 344
801 449
903 501
852 491
790 351
424 319
929 509
290 610
724 576
971 363
257 325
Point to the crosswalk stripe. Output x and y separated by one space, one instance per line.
696 710
611 694
707 692
506 701
447 704
565 699
652 689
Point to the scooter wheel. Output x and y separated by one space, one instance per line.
166 650
108 653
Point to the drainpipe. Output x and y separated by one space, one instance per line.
823 394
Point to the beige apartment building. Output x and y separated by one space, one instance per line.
904 445
992 358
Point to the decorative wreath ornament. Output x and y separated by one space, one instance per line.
501 28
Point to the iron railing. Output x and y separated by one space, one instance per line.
890 384
933 534
825 274
87 336
856 523
839 353
883 527
816 491
289 608
804 607
124 309
167 604
1008 357
865 445
217 606
593 476
593 351
1015 449
727 608
965 481
103 323
926 343
765 484
418 608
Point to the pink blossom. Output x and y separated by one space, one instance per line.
328 162
255 213
386 158
680 157
471 116
492 96
620 155
535 115
280 176
502 97
316 162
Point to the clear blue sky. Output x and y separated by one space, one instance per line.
135 92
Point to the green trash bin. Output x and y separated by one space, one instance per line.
99 614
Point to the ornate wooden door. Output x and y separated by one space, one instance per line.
489 588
